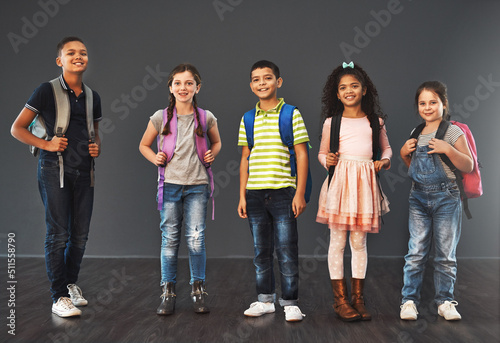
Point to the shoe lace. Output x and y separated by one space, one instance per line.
65 303
294 309
75 291
450 305
409 305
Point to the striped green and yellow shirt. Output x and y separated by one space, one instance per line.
269 164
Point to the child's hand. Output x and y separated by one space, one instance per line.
298 205
94 150
438 146
209 157
378 165
242 208
409 147
332 159
57 144
161 159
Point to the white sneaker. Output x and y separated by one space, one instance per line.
76 296
293 314
448 311
258 308
65 308
408 311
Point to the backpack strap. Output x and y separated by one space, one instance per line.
89 106
334 141
416 131
166 144
375 125
202 148
286 133
285 122
441 131
62 119
248 121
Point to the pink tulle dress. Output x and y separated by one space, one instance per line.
354 200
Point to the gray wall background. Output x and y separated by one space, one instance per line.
133 45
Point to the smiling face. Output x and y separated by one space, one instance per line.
184 87
430 106
73 57
264 84
350 91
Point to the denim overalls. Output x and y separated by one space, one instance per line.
435 213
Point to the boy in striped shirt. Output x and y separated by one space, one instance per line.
270 197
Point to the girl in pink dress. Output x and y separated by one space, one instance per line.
352 200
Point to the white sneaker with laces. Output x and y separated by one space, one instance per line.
408 311
65 308
293 314
258 308
76 296
448 310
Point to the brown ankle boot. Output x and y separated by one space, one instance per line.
357 300
341 305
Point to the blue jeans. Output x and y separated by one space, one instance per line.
435 215
272 224
190 203
67 216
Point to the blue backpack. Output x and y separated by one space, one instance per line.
286 133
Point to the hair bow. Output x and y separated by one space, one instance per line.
345 65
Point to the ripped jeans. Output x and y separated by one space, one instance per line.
188 202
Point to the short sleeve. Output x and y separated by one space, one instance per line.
299 129
211 119
157 120
97 110
36 102
242 136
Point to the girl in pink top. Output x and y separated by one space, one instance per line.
352 200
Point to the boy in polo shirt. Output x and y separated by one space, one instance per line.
270 197
67 209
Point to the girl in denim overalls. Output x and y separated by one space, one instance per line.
435 204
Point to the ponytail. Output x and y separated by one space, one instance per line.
199 129
170 113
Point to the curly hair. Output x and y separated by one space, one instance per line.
170 110
332 106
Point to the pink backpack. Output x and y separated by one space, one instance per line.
167 145
473 187
469 183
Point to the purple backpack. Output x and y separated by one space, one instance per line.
167 144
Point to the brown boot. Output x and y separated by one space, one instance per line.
341 305
357 300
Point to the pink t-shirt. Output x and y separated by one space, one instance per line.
355 139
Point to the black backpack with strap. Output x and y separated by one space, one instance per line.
335 134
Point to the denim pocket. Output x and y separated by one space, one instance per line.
453 192
49 164
425 164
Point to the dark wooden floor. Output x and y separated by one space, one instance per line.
124 293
